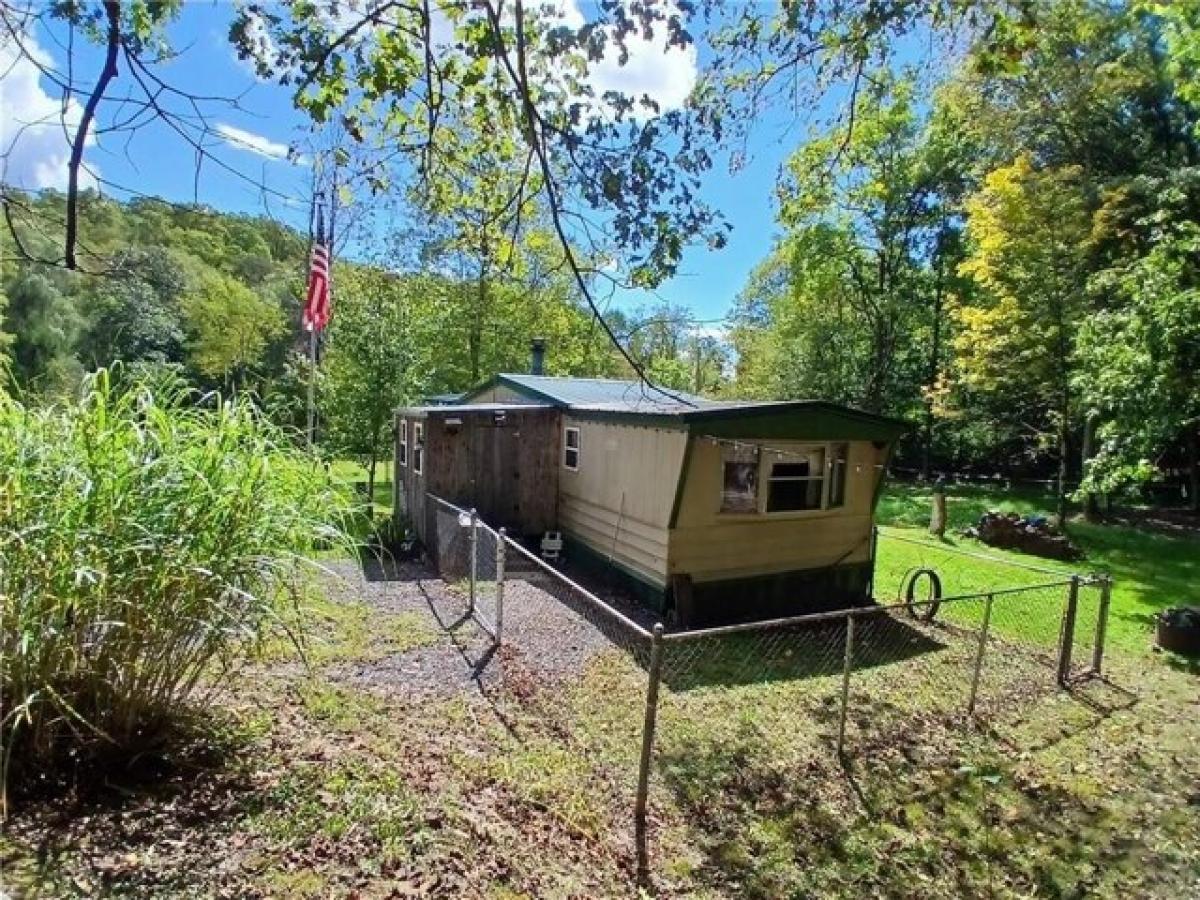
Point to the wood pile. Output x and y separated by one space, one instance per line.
1029 534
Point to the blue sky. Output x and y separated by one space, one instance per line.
253 138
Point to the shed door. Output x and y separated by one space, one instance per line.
495 454
506 475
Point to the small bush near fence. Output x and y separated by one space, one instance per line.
693 720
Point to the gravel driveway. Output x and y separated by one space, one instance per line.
549 630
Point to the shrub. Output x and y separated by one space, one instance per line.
149 538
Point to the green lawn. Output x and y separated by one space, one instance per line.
354 474
1151 570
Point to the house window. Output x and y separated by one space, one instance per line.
571 449
739 479
418 447
837 474
796 481
403 451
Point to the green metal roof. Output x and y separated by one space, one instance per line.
566 392
640 403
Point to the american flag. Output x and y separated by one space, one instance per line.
317 304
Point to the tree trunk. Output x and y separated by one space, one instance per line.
1091 506
1194 465
937 519
475 334
1060 510
371 481
935 351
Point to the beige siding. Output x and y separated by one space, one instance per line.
619 501
709 545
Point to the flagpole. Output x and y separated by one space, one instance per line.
312 381
317 234
311 427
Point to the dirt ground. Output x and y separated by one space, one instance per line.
406 757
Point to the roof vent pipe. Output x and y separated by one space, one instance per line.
537 356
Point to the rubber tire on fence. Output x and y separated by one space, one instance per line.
929 608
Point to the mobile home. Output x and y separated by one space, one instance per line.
710 511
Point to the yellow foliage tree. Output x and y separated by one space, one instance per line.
1029 233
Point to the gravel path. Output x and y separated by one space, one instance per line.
549 630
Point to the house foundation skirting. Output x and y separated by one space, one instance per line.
728 601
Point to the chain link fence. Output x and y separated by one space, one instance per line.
565 669
663 724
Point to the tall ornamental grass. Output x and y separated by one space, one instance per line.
149 538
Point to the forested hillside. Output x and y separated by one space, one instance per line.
218 296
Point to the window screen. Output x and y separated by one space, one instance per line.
403 451
418 447
797 482
571 448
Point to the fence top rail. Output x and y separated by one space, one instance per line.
850 612
606 608
893 534
479 523
595 601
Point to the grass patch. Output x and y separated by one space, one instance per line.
353 475
335 632
525 789
1151 570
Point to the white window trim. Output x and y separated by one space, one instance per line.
403 443
830 468
418 448
567 429
768 459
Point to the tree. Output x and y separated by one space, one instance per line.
135 317
44 324
126 91
673 350
1027 254
6 339
1181 39
1140 349
229 327
850 284
376 359
510 84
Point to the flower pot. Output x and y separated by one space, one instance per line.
1179 630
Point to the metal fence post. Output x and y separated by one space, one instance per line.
983 636
1068 632
473 543
1101 623
847 665
501 538
654 676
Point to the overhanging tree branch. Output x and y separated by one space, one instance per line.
112 10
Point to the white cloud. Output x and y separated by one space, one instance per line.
665 74
34 147
248 140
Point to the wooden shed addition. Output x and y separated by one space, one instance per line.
710 511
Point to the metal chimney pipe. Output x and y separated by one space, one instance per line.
537 356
